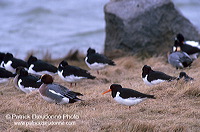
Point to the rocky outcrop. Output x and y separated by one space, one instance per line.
144 26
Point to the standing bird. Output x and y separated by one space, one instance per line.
72 74
55 93
97 61
127 96
26 82
178 58
40 67
192 48
5 75
11 63
151 77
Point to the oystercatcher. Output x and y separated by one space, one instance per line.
192 48
2 55
185 77
127 96
151 77
96 61
72 74
40 67
5 75
11 63
26 82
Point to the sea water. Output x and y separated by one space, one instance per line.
58 26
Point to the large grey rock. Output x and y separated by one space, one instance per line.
144 26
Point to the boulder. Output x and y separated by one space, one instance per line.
144 27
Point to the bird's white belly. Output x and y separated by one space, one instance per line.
157 81
25 89
129 101
70 78
2 64
9 67
193 43
64 101
152 82
30 70
3 80
95 66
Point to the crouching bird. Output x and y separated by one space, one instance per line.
96 61
55 93
151 77
127 96
72 74
178 58
26 82
40 67
185 77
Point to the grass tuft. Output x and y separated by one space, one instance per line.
176 107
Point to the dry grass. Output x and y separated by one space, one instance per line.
176 108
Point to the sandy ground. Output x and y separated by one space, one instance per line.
176 107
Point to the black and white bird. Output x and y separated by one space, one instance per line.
151 77
26 82
55 93
72 74
127 96
2 55
40 67
178 58
11 63
96 61
5 75
185 77
192 48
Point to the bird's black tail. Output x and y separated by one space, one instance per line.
77 93
74 100
112 63
172 78
151 96
91 77
73 96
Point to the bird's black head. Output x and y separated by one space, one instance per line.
185 76
180 38
182 74
145 70
18 69
2 55
7 57
32 59
114 88
177 46
23 72
91 51
63 64
176 43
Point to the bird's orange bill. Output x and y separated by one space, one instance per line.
106 91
